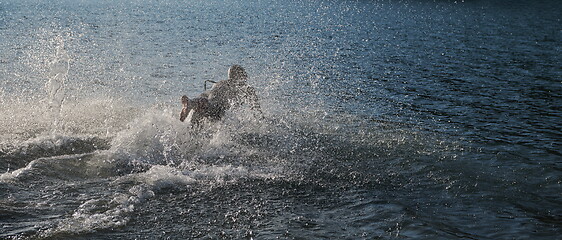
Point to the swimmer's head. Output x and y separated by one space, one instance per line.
237 73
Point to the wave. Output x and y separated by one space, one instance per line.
16 156
153 153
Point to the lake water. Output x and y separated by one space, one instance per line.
383 120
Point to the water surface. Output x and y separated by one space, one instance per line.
383 119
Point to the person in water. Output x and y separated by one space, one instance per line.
224 95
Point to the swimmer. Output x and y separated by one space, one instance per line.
224 95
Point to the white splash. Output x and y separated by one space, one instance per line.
55 85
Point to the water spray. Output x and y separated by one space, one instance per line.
59 68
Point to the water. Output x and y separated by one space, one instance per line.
384 119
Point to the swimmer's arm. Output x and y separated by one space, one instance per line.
184 112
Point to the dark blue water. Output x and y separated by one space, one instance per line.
384 119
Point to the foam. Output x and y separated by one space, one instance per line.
26 118
100 213
171 155
161 177
157 137
154 138
95 214
14 175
